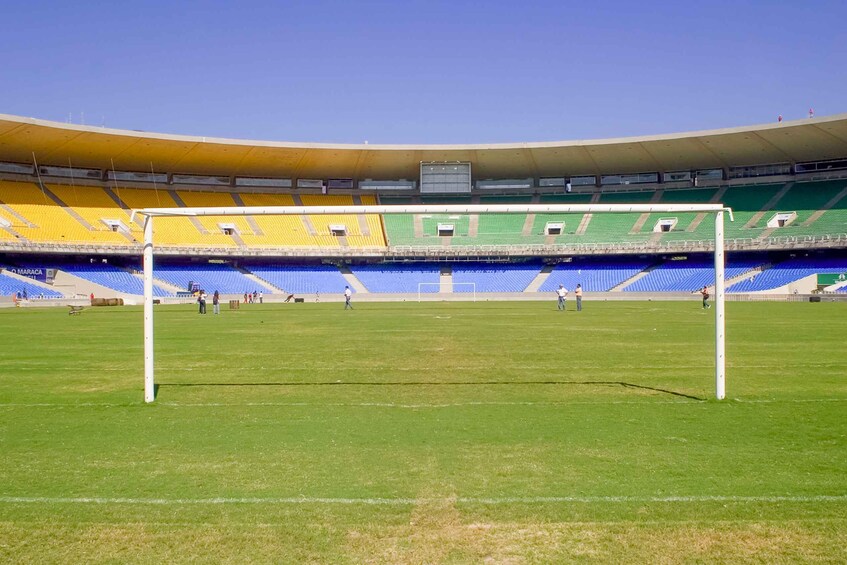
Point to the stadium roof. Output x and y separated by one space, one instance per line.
59 144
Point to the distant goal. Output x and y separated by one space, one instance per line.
468 288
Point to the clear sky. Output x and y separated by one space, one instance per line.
422 71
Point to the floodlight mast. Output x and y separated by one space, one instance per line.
717 209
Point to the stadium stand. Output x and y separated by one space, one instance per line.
364 231
594 276
12 285
94 206
301 279
789 271
212 224
809 200
398 277
210 277
494 277
687 275
69 214
111 277
38 217
171 231
746 202
499 229
277 231
689 226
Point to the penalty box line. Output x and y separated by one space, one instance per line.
489 501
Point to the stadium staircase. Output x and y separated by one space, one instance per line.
828 206
539 279
70 284
445 280
351 279
158 282
751 273
307 221
769 205
837 287
632 279
73 213
196 222
716 199
251 221
258 280
642 219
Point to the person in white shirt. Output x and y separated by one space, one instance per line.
562 292
347 295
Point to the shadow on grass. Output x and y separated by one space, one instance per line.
440 383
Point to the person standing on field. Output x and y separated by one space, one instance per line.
562 293
578 293
201 299
216 302
347 295
705 294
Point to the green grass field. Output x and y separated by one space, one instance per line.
425 433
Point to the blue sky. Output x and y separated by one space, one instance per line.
422 71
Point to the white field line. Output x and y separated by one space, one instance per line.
415 501
400 405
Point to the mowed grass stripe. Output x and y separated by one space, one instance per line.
411 501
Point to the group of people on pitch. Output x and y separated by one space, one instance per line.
562 294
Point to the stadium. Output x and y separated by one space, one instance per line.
455 414
69 191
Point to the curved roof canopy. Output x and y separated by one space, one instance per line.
55 143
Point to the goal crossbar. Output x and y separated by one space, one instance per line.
148 214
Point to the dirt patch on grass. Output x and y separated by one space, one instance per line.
437 534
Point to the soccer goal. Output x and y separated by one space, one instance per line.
470 288
717 209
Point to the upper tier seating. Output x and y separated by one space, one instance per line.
35 216
78 215
171 231
494 277
301 279
212 224
808 198
94 206
362 230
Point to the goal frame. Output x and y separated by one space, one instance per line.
455 284
148 214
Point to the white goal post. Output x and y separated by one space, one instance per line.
717 209
422 285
